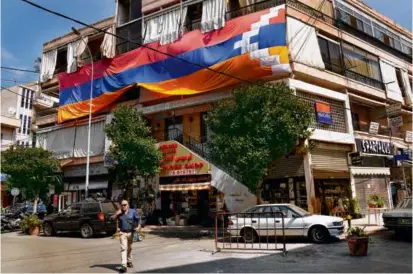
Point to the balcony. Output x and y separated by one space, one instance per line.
43 101
364 79
47 119
9 121
383 130
298 5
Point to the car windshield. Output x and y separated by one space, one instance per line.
299 210
406 203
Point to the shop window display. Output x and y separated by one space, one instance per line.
334 196
286 190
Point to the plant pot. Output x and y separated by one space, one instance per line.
34 231
358 246
372 206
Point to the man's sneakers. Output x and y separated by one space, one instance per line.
130 265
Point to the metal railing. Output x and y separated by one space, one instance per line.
364 79
199 146
250 231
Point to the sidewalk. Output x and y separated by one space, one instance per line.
374 226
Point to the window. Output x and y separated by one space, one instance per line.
23 97
75 209
110 207
330 52
362 66
356 121
91 208
1 137
29 124
21 123
24 124
359 21
31 99
193 19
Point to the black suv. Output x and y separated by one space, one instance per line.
90 216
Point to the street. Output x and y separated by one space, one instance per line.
70 253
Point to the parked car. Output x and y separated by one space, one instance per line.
399 219
89 217
266 220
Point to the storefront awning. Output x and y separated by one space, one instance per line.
370 171
185 187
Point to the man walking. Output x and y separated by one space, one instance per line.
128 221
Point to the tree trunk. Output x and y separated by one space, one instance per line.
35 203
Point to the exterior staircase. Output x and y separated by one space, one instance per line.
237 196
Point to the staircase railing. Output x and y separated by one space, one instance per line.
199 146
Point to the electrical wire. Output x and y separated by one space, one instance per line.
17 69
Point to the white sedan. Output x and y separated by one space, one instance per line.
266 221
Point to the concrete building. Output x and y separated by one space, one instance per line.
17 106
346 60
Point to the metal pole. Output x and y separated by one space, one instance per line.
90 120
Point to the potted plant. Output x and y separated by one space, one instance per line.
31 225
376 201
358 241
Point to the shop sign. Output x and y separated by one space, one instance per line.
323 113
374 128
80 170
394 110
374 147
355 159
179 161
396 121
409 136
46 100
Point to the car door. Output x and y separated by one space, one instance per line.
73 217
61 221
293 223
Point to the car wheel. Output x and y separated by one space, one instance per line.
86 231
249 235
319 234
48 229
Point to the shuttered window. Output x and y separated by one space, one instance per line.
326 159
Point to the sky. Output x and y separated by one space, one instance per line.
24 28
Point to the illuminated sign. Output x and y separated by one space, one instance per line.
323 113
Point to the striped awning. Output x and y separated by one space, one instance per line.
185 187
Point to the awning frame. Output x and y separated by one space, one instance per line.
185 187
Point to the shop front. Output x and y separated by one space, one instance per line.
286 182
187 196
75 181
370 171
330 170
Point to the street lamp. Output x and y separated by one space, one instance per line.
75 31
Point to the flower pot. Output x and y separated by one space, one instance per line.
372 206
34 231
358 246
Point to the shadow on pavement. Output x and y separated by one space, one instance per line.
114 267
385 255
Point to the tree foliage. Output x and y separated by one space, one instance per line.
133 147
255 127
32 170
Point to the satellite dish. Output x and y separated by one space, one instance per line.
12 110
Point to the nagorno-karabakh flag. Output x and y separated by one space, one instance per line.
248 47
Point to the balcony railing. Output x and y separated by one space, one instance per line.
364 79
383 130
253 8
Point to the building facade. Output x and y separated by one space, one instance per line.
347 61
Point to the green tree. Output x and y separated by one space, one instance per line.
133 148
32 170
258 125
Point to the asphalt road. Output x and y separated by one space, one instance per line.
70 253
